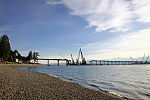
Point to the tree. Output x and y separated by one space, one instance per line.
29 57
11 56
19 57
5 48
35 56
24 59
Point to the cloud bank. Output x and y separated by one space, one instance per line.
108 14
114 16
135 45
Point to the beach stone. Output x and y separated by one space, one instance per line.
17 84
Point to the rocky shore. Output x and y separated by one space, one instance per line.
21 65
17 84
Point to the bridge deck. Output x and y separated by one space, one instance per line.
52 59
106 62
67 61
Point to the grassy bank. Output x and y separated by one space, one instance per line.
17 84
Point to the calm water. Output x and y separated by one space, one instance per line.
131 81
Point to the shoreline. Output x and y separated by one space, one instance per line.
38 85
21 65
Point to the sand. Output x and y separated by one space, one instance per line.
18 84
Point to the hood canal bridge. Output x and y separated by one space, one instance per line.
94 62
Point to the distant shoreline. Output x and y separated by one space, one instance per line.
19 84
21 65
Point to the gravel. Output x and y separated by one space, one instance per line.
17 84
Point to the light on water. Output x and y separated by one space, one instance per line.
132 81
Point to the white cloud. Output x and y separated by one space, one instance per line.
78 44
119 30
108 14
54 2
135 44
115 15
102 14
142 9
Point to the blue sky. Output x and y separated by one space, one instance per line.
104 29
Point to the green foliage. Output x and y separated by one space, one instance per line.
5 48
29 57
19 57
9 55
35 55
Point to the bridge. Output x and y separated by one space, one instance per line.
95 62
106 62
58 61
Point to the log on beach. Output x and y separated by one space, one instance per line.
17 84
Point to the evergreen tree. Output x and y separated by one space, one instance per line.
19 57
5 48
29 57
1 47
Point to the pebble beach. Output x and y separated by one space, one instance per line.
17 84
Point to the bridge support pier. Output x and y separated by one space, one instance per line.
67 62
48 63
58 62
96 62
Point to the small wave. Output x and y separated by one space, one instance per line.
144 94
70 79
145 87
116 94
116 75
106 83
120 82
93 85
122 90
103 83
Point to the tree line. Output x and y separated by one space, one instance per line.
12 55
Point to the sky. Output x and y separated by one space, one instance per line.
104 29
